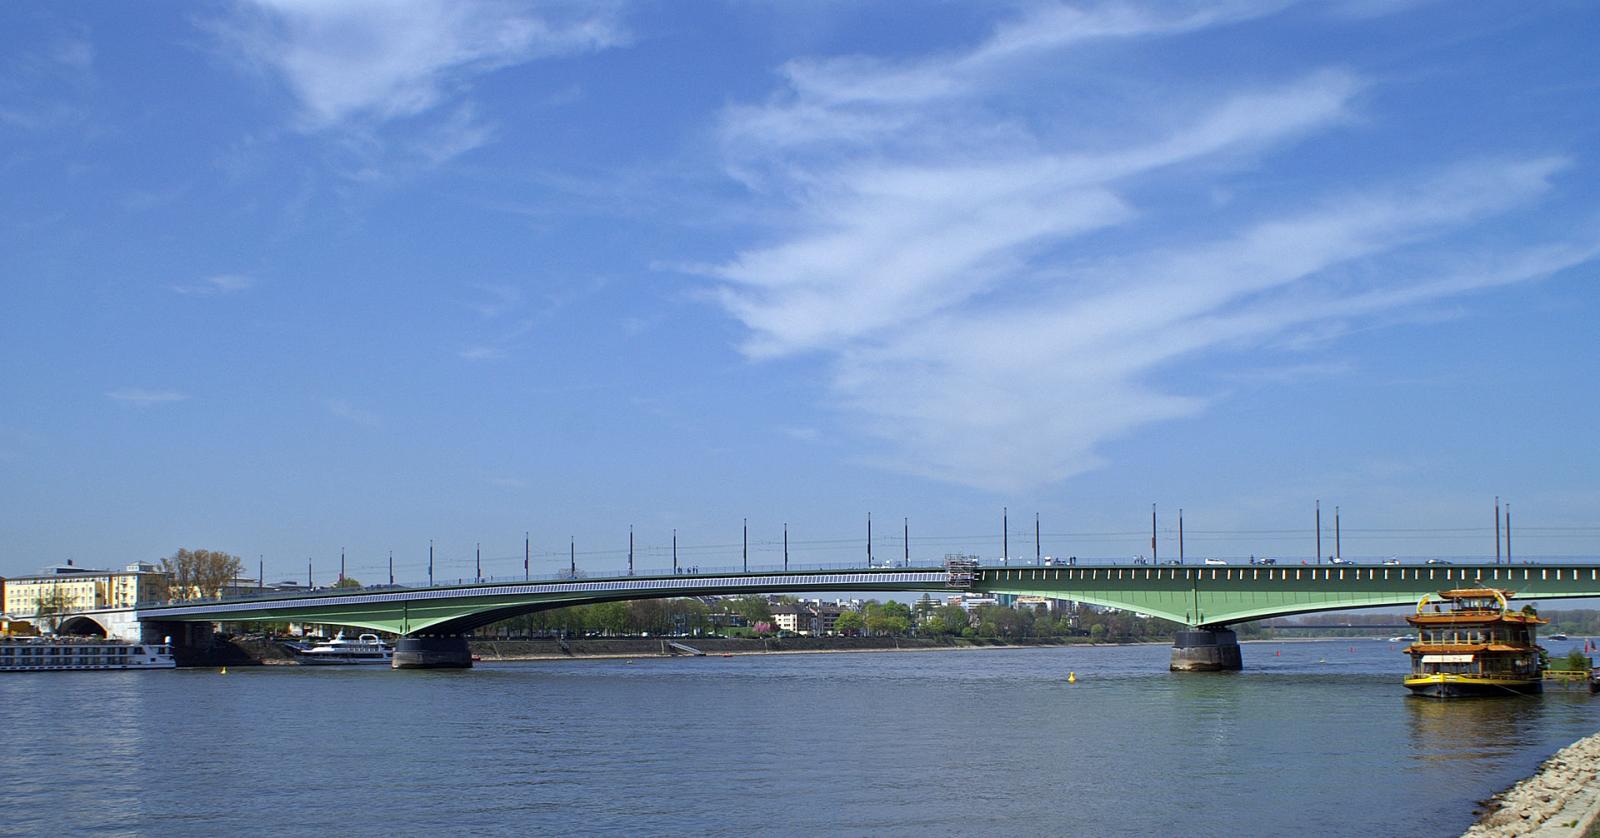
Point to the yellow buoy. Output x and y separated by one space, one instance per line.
1072 677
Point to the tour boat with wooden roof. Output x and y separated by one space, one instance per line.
1470 643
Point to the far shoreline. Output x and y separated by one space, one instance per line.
487 650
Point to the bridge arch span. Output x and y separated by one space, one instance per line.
82 625
459 609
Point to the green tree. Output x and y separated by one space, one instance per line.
52 607
886 618
347 582
850 622
199 574
754 609
608 618
946 619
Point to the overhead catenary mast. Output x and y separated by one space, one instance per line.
1036 548
1153 554
1180 535
430 562
630 549
1496 529
1005 535
1319 532
1337 552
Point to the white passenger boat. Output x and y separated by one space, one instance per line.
69 654
363 650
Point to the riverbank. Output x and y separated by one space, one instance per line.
256 651
1561 799
633 647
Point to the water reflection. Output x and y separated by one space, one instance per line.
1470 728
916 743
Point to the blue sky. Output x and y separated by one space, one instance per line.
282 278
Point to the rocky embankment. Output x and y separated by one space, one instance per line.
1562 799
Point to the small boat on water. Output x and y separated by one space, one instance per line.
1470 643
366 649
1558 636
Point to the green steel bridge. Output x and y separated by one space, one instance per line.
1205 598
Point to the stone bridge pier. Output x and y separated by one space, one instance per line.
192 643
1206 649
432 651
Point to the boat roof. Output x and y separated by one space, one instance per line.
1475 593
1501 613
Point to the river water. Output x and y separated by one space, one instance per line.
1314 738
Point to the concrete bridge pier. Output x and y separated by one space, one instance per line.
1206 649
432 651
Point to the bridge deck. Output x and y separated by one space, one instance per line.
1205 595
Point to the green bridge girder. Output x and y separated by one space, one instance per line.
1215 596
1191 595
461 608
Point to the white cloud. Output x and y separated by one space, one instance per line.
215 285
494 300
378 60
1008 397
140 397
938 246
883 242
462 132
802 434
352 414
499 345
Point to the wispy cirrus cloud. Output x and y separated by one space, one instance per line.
352 67
347 411
215 285
141 397
499 345
41 87
945 247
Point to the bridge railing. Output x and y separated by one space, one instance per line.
802 567
562 576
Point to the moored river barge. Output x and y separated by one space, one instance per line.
1470 643
70 654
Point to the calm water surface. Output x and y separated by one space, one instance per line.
1314 738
